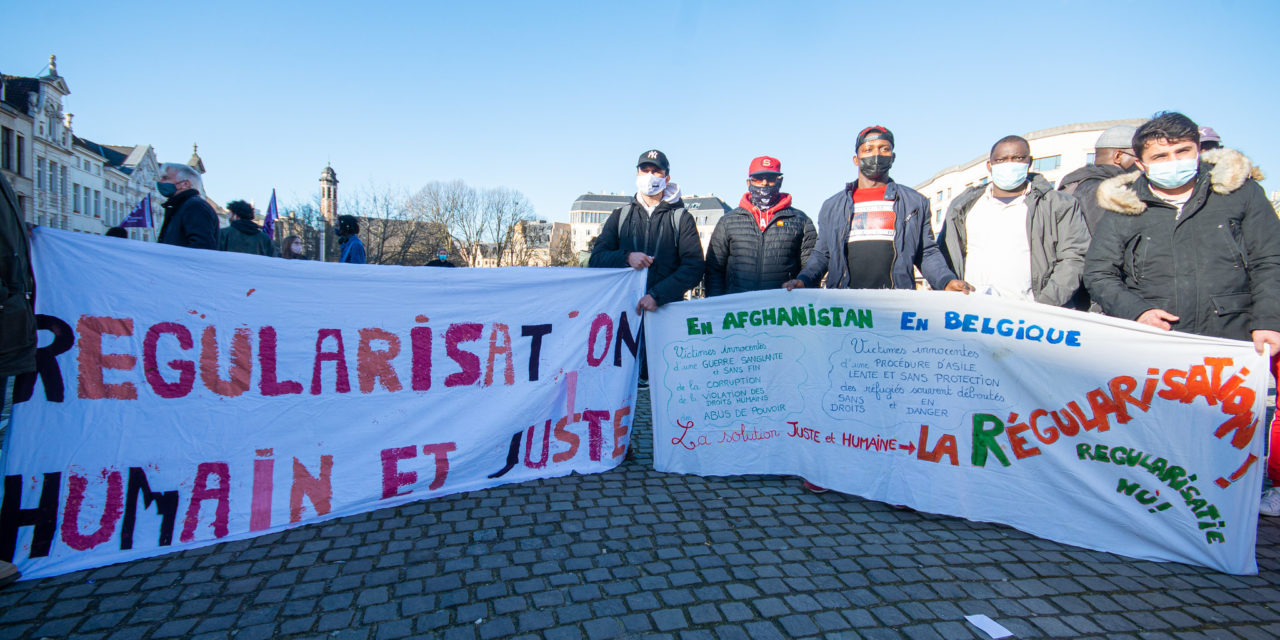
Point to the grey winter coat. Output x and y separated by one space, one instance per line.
1056 233
741 257
1216 266
1083 184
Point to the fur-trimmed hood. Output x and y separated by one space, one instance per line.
1229 169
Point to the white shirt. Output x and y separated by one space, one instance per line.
1178 202
997 255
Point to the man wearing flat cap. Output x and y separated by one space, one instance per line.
875 232
1112 156
764 241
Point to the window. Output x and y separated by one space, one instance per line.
6 148
40 173
75 193
1089 159
22 156
984 181
1047 163
97 203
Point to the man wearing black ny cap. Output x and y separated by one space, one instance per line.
653 231
875 232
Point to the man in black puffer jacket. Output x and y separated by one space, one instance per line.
764 242
1190 244
244 235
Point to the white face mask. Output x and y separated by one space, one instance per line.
650 184
1009 175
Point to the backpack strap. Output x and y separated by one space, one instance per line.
622 217
676 217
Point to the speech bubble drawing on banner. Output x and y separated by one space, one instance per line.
719 382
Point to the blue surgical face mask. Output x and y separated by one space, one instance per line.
166 189
1009 175
1173 173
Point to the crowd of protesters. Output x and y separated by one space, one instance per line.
1167 228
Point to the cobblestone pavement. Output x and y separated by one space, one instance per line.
634 553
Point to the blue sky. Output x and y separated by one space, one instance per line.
556 99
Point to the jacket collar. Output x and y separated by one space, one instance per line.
1223 170
177 199
781 209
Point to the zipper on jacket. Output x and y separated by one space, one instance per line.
1231 240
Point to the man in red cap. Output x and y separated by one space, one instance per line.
874 233
762 243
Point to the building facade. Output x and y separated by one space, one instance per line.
588 213
1055 152
65 181
16 126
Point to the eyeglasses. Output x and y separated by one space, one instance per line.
760 182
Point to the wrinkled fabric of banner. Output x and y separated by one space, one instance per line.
187 397
1071 426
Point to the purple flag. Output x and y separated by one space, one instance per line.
269 222
141 214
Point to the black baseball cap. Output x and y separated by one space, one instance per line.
873 132
654 157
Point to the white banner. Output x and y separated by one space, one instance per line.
1075 427
188 397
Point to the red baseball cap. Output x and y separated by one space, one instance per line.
765 164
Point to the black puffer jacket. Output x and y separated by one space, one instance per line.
741 257
677 257
1216 267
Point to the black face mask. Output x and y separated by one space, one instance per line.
875 167
766 196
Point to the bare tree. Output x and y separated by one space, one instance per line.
503 209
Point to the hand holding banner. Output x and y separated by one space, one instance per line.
1072 426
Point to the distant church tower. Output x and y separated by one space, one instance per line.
329 195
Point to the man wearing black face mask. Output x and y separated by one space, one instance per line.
762 243
875 232
189 221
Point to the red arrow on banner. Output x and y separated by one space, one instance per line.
910 447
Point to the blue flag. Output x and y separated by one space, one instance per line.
141 214
269 222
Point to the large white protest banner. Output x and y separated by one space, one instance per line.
1071 426
186 397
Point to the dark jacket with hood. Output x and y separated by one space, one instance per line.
1083 184
17 289
245 236
741 257
1056 234
189 221
913 243
677 257
1216 265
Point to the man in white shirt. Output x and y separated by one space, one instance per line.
1017 237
